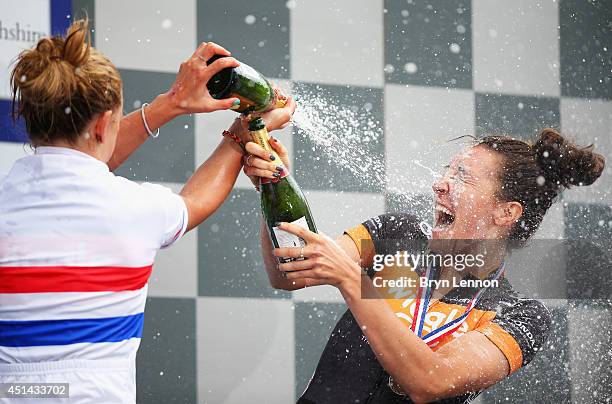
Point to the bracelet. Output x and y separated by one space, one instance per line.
144 121
227 133
231 136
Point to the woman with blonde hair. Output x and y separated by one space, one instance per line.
77 243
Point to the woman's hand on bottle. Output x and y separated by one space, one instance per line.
324 260
280 118
259 163
189 93
276 118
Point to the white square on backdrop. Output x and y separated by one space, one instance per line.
175 272
590 122
154 35
515 47
419 122
22 24
243 345
338 42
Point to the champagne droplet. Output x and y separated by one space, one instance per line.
410 68
166 24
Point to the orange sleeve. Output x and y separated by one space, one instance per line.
363 240
505 342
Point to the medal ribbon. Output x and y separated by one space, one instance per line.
422 304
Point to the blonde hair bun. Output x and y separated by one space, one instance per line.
60 84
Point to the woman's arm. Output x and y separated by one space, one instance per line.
467 364
187 95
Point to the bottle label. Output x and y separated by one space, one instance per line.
286 239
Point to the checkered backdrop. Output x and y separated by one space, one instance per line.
431 70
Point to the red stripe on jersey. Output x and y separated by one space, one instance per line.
72 279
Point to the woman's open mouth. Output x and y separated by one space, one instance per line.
444 218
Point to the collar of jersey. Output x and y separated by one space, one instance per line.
66 151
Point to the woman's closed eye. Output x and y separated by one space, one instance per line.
457 173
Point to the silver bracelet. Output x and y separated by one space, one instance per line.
144 121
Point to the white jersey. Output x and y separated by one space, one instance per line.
77 245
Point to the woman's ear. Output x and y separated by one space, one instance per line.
508 213
101 126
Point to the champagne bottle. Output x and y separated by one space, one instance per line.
282 199
245 83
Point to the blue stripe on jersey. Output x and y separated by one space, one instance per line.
64 332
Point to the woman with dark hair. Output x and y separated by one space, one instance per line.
439 343
77 243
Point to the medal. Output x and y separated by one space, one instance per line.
420 310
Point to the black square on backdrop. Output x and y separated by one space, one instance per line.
166 360
229 254
256 32
586 48
588 227
314 323
86 8
520 116
169 157
429 43
357 165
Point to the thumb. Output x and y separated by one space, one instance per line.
229 103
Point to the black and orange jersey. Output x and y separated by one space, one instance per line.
348 371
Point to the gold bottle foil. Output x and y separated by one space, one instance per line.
262 138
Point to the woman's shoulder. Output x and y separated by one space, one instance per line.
527 322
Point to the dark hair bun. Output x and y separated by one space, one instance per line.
564 163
